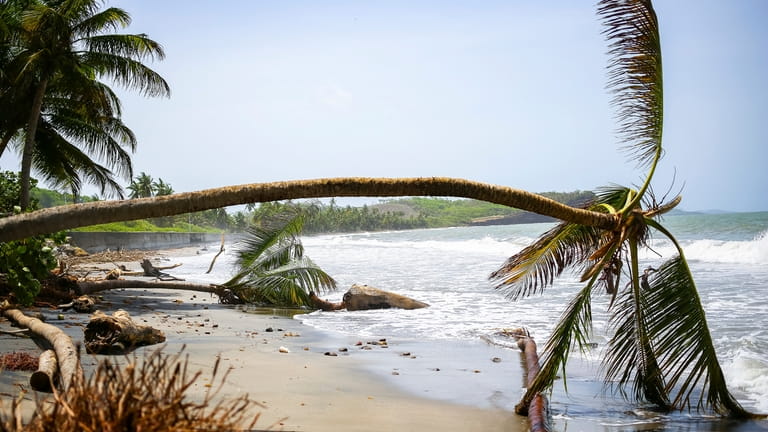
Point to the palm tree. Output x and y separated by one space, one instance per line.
273 268
66 217
65 43
661 350
162 188
142 186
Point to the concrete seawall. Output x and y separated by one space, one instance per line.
99 241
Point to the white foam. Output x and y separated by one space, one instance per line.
748 373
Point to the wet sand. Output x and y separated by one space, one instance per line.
303 389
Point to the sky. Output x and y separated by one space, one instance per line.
507 92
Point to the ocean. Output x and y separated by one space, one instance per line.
449 268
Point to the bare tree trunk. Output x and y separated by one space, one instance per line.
29 144
93 287
77 215
66 354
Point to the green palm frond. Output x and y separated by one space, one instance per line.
536 266
135 46
131 74
110 19
574 326
630 358
272 268
679 325
635 74
279 236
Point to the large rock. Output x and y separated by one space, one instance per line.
364 297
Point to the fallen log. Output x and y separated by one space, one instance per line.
44 377
324 305
536 409
118 334
90 287
66 353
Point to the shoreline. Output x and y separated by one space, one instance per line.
302 390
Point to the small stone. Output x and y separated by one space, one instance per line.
343 350
476 371
331 354
496 360
395 373
359 343
269 329
283 349
406 354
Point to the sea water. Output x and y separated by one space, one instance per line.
449 268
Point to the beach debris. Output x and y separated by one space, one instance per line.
343 350
331 354
283 349
152 271
364 297
213 261
117 334
66 352
82 304
18 361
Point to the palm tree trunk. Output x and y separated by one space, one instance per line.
29 144
77 215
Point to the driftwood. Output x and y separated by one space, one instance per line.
82 304
213 261
324 305
44 377
91 287
152 271
118 334
66 353
536 408
364 297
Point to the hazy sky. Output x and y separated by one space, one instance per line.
507 92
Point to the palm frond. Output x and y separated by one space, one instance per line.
110 19
130 73
278 235
284 286
135 46
679 326
536 266
630 358
635 74
574 326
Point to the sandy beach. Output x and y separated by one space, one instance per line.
303 389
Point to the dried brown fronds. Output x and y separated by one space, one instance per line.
145 395
18 361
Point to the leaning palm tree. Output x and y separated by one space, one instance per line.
661 350
67 41
272 267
